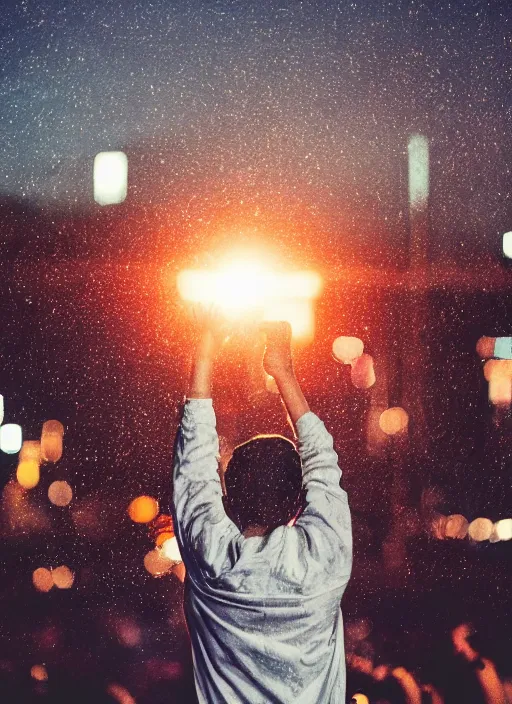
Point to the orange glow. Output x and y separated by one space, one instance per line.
347 349
362 373
27 474
51 440
456 526
63 577
393 420
60 493
42 579
480 529
245 285
39 673
156 563
143 509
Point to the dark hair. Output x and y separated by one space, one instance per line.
263 482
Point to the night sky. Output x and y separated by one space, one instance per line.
315 100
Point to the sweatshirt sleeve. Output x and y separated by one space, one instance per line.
204 531
325 520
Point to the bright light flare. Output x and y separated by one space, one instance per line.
247 287
299 313
110 177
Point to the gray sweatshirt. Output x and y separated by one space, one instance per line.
263 612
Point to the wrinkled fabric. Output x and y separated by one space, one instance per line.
263 612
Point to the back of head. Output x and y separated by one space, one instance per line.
263 482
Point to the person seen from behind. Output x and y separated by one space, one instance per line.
264 574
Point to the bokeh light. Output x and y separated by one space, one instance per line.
485 347
110 177
143 509
418 152
162 537
128 632
498 367
480 529
51 440
504 529
42 579
498 373
362 373
171 551
11 438
156 563
347 349
438 526
456 526
30 450
27 474
60 493
503 347
63 577
359 698
120 694
393 420
507 245
39 673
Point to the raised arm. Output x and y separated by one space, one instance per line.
203 529
325 519
277 362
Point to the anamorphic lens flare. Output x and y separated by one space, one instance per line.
245 287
